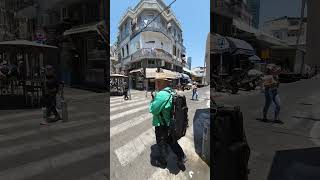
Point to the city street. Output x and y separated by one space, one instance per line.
283 151
133 139
64 150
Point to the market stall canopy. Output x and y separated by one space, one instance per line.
254 58
187 70
240 47
25 43
136 70
152 73
117 75
95 27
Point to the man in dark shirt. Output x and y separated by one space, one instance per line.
51 90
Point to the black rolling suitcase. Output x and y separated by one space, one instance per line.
230 148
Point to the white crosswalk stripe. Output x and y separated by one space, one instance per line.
37 121
129 124
129 106
134 148
129 112
38 167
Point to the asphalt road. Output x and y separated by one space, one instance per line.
288 151
133 139
72 150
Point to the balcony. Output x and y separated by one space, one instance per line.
159 29
152 54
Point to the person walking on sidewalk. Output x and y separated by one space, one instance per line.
161 108
194 91
50 93
271 85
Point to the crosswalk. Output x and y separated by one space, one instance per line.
61 150
133 138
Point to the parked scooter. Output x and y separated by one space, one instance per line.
228 83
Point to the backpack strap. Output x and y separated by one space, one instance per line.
161 115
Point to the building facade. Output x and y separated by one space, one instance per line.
146 45
287 29
313 37
254 9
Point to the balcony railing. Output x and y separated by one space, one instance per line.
153 29
151 53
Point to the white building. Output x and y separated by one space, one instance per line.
287 29
199 75
144 49
113 59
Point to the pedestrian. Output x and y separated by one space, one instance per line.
194 91
271 92
125 91
51 90
161 108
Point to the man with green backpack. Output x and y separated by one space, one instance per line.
162 107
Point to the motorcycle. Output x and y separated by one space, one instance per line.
228 83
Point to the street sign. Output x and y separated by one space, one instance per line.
221 43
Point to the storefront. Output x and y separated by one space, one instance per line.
87 54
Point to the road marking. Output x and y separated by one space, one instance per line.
29 113
135 147
56 127
120 103
128 124
27 147
122 100
128 106
35 168
132 111
37 121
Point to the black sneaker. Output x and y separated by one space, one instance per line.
181 165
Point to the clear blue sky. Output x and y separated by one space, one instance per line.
194 16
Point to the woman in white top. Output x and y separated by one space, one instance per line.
271 85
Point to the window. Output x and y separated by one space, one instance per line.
64 13
127 49
151 42
122 52
174 50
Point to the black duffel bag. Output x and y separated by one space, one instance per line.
231 151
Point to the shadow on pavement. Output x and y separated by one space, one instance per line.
296 164
306 118
171 159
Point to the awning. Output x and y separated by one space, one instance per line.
136 70
254 58
240 47
152 73
244 26
25 43
96 27
184 76
187 70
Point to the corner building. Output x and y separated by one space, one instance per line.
145 49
